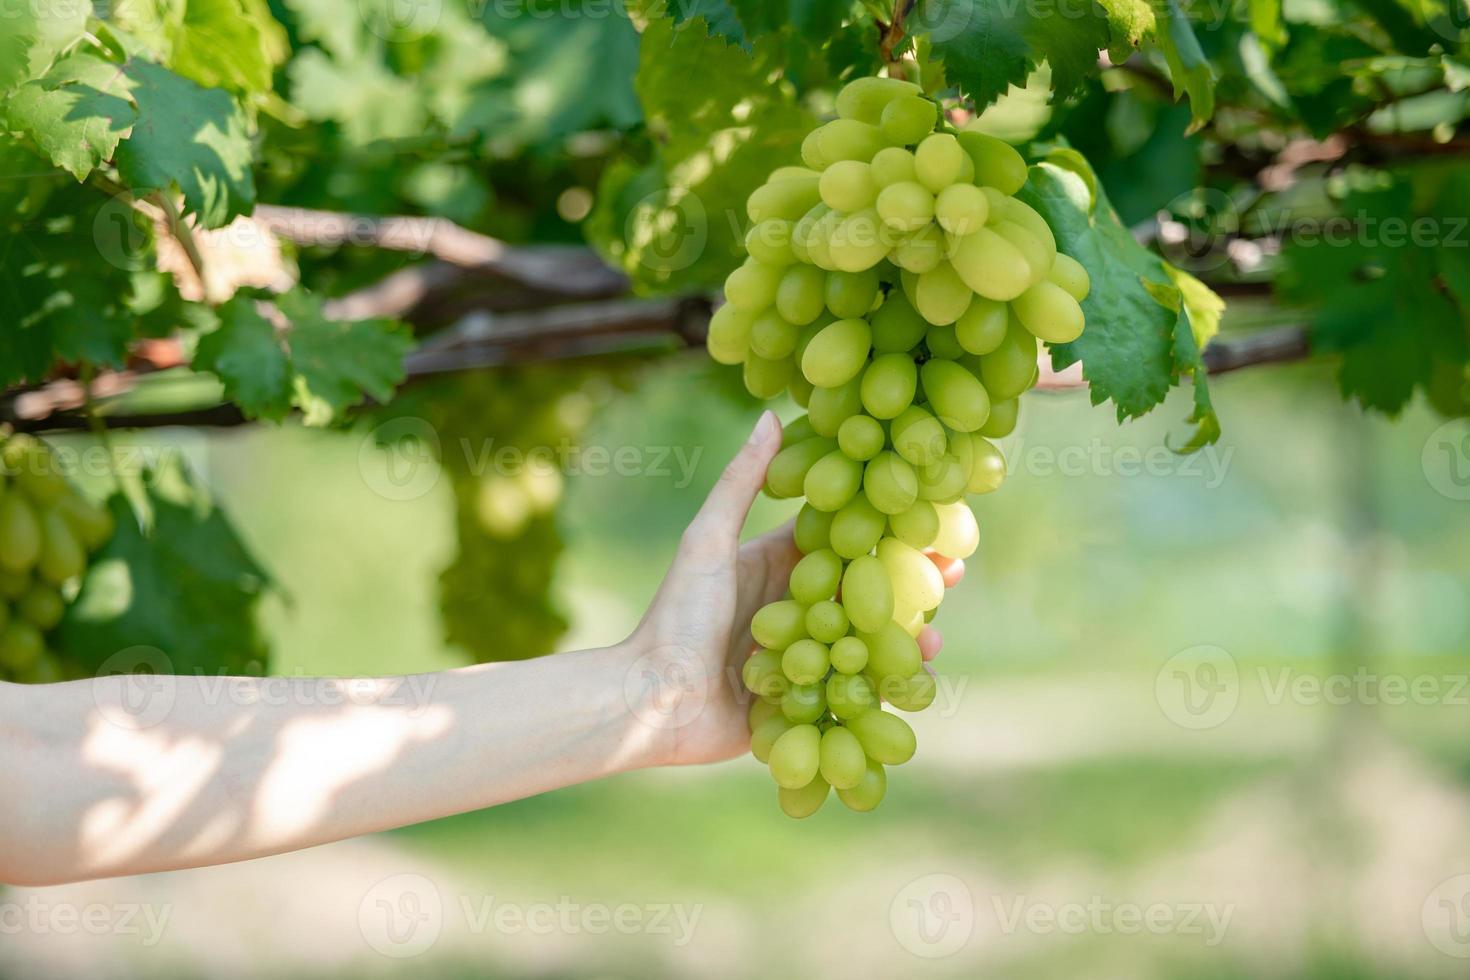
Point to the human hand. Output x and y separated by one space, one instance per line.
696 634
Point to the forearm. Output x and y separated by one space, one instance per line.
242 768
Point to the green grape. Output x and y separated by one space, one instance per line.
813 530
848 185
42 606
770 242
819 242
760 710
865 98
841 760
830 407
890 483
908 119
867 595
1007 371
938 161
944 479
942 342
897 326
800 389
804 337
805 801
805 230
832 481
913 693
826 621
797 430
851 294
850 693
764 735
1049 312
816 577
805 662
729 335
990 265
1068 273
804 703
772 337
982 327
892 652
13 585
918 436
787 473
941 295
867 794
20 533
46 669
779 624
752 286
1034 252
861 437
837 354
791 173
860 242
885 737
921 251
961 209
916 581
957 396
856 528
892 165
785 200
846 139
888 385
1002 421
989 469
1022 214
62 556
761 674
849 655
997 164
35 472
799 294
795 756
905 206
917 526
20 645
766 378
959 533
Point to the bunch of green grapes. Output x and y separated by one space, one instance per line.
47 531
898 290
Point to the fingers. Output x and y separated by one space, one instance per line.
724 511
952 569
930 641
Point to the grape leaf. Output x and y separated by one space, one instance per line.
989 45
77 113
816 20
1139 340
1189 70
335 363
248 357
133 594
225 44
191 138
35 33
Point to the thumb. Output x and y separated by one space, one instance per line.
727 505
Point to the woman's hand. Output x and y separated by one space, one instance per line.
695 637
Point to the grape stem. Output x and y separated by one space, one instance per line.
891 36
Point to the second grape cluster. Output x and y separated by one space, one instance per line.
898 290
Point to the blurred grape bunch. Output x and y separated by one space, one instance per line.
48 532
503 439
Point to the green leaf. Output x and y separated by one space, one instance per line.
189 138
249 358
336 363
1189 70
76 114
816 20
989 45
184 584
35 33
224 44
1139 341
